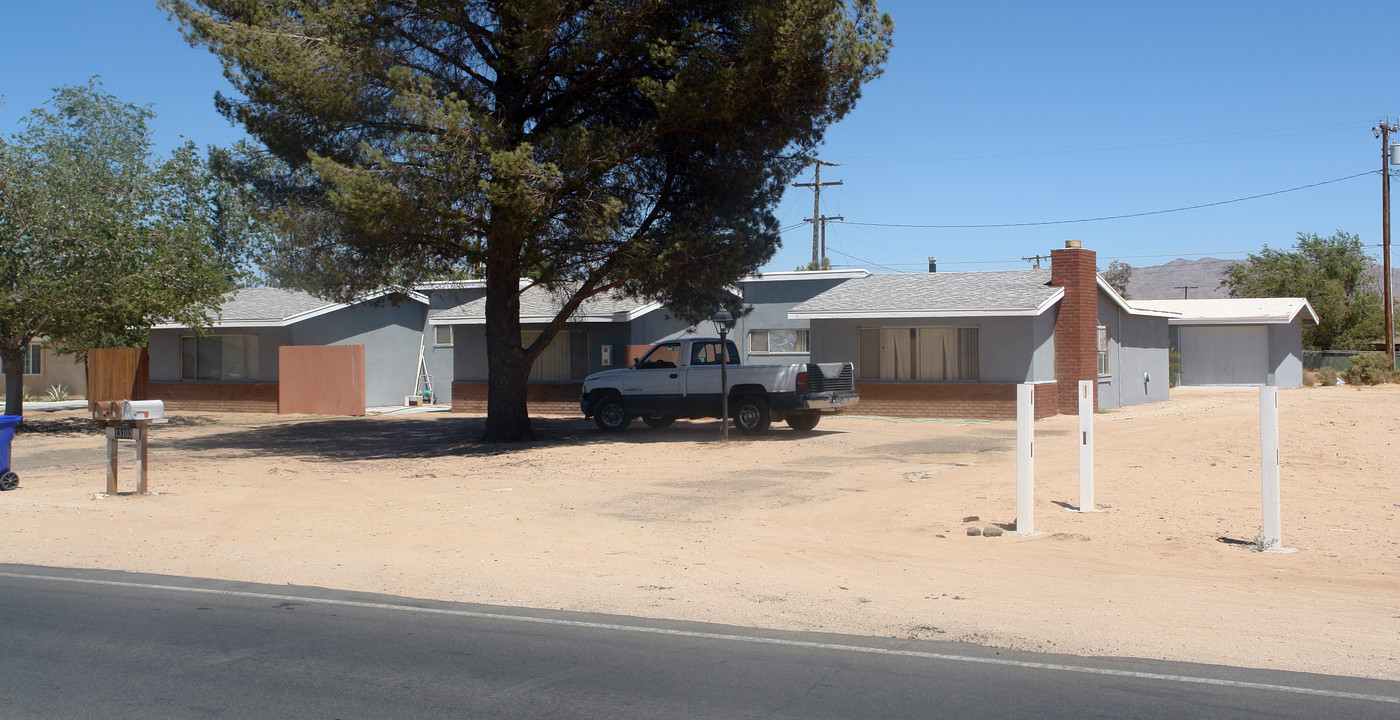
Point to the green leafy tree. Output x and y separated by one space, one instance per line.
1332 273
590 146
98 240
1117 276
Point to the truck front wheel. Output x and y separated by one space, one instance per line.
610 416
751 415
803 421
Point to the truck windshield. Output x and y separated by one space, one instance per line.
708 353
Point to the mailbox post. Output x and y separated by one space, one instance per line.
131 420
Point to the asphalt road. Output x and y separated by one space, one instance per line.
98 644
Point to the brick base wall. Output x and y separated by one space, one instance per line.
971 401
217 397
544 398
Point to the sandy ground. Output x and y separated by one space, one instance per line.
857 527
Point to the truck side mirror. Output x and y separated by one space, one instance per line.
636 363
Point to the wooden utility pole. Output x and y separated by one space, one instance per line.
1035 260
1383 131
1186 290
819 222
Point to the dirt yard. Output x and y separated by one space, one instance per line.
857 527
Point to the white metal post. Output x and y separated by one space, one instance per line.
1086 446
1025 459
1268 454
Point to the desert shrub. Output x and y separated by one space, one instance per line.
1309 378
57 393
1369 369
1326 376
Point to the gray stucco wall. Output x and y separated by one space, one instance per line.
1286 354
389 332
469 359
165 351
770 301
1241 354
391 335
1138 358
440 357
1010 350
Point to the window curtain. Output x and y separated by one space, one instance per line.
895 350
938 353
556 362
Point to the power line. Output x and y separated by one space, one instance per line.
1202 255
1115 217
867 262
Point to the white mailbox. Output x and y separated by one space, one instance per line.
143 409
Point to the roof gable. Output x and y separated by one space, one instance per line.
278 307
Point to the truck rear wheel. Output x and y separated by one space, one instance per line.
803 421
610 416
751 415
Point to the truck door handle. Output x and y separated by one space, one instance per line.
674 376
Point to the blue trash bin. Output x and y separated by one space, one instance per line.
8 480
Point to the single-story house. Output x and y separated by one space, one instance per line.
957 344
237 364
608 332
43 368
1237 341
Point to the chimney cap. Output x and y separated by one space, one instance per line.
1073 244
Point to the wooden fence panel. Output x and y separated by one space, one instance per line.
321 379
117 374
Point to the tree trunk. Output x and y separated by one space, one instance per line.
13 363
507 416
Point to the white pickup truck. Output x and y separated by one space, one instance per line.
681 379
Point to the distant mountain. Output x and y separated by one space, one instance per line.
1162 282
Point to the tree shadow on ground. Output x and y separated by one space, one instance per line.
74 426
58 427
374 438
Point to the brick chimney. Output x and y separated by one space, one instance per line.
1076 323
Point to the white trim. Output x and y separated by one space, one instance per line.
613 317
450 285
807 275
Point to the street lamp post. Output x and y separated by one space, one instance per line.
722 321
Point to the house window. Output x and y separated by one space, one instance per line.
778 341
32 362
927 353
1104 367
442 335
219 358
566 357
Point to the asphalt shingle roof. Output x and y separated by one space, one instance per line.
1010 291
538 302
263 305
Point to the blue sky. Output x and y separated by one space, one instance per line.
988 113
